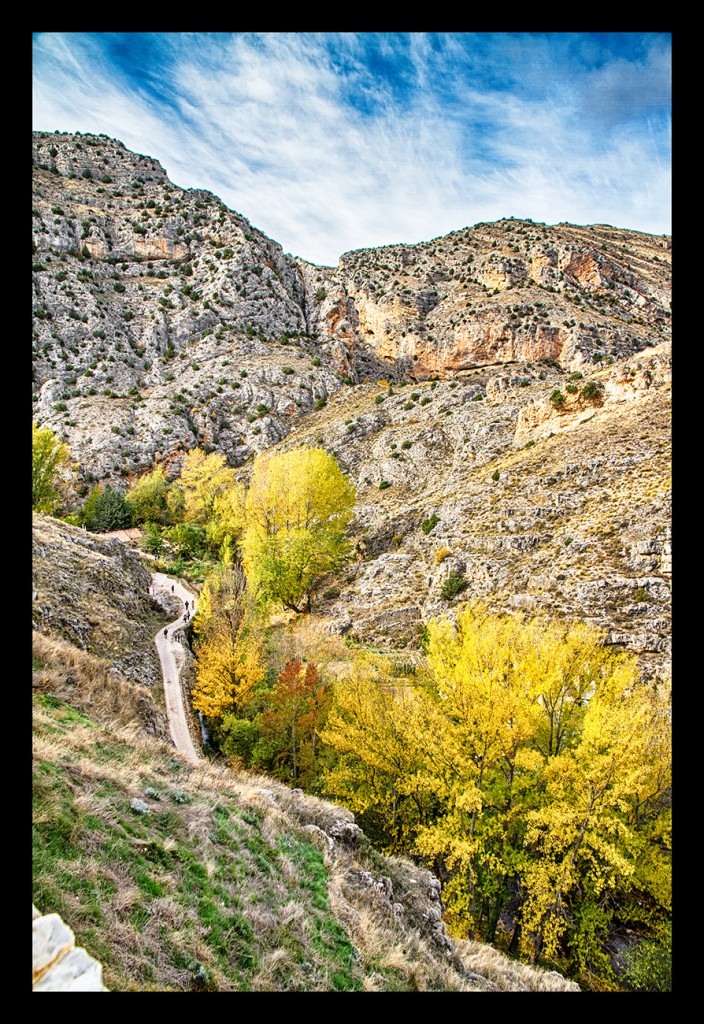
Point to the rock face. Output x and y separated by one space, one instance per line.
57 965
163 321
94 594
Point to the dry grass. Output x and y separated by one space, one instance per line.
88 682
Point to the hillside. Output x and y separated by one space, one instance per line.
163 320
501 399
197 878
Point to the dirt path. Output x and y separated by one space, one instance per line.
172 657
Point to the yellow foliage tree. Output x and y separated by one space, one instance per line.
204 478
537 764
297 510
230 659
50 458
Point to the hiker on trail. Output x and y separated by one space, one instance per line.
172 588
166 632
186 605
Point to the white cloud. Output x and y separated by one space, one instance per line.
267 124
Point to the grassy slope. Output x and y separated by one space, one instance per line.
229 881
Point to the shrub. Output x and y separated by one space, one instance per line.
592 392
320 294
441 554
379 399
406 444
557 400
430 523
496 475
453 585
383 484
288 370
320 403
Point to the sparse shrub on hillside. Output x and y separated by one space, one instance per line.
430 523
592 392
441 554
383 484
453 585
557 400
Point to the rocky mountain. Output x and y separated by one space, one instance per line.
500 396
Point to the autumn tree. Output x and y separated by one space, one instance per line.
538 765
50 457
203 479
298 507
149 498
229 652
293 716
372 726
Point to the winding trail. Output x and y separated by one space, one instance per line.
172 657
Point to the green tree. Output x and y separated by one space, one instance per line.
106 509
49 457
297 511
188 539
153 542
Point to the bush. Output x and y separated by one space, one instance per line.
406 444
320 294
454 584
649 966
592 392
430 523
441 554
557 400
496 475
383 484
320 403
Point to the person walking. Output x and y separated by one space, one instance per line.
166 632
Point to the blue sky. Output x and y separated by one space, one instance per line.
335 141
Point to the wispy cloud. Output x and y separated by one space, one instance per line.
329 142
